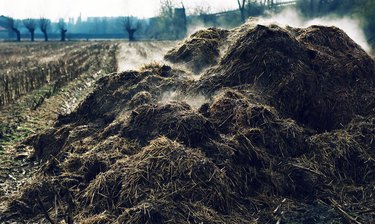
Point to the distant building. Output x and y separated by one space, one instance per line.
180 22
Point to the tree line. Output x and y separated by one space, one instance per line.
172 21
32 24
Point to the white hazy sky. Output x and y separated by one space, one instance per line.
55 9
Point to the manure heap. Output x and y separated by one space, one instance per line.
285 133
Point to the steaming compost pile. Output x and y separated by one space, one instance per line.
200 50
279 128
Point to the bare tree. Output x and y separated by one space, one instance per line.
44 24
13 25
245 6
241 6
166 9
167 26
63 29
129 27
30 25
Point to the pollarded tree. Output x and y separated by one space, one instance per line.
63 29
13 25
30 25
129 27
44 24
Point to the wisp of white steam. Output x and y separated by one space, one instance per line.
351 26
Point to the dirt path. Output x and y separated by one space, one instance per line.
134 54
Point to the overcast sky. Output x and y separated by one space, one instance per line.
55 9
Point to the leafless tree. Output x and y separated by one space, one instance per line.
30 25
241 6
13 25
167 26
129 27
245 6
166 8
202 12
268 3
44 24
63 29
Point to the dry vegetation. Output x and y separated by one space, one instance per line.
285 135
200 50
41 81
26 67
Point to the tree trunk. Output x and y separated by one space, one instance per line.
131 34
241 7
18 33
63 34
248 8
242 15
32 35
45 35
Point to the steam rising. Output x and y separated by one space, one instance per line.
134 54
195 101
351 26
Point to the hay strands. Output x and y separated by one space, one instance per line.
348 217
44 210
308 169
